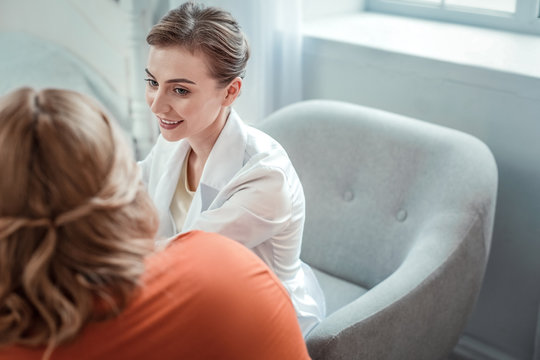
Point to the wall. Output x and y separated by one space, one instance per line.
314 9
108 37
499 107
50 19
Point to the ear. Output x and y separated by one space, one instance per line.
232 91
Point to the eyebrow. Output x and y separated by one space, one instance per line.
179 80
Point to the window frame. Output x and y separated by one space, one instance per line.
525 20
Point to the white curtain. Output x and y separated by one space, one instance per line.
274 74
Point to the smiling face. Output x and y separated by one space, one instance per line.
186 100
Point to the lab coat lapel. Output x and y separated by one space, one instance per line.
166 185
224 161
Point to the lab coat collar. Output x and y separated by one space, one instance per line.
225 159
168 181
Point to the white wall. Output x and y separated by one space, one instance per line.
71 24
108 37
313 9
500 108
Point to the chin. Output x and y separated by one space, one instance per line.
171 137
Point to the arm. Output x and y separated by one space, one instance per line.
257 206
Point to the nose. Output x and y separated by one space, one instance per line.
157 101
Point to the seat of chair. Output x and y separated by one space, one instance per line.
338 292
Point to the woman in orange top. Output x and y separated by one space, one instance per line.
79 276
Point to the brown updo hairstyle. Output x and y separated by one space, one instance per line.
208 30
75 219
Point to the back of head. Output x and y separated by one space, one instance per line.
75 220
208 30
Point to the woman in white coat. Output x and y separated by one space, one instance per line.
209 170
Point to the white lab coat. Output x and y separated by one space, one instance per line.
249 192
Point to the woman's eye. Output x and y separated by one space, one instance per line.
181 91
151 82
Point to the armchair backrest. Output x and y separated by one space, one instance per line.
374 181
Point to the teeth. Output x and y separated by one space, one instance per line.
170 122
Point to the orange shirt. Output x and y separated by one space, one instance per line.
204 297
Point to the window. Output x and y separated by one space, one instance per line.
514 15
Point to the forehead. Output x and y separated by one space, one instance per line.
176 61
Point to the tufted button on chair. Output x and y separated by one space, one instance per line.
399 217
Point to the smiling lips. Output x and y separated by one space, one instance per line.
169 125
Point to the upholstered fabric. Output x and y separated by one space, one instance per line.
338 292
399 216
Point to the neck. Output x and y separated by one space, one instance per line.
202 145
201 148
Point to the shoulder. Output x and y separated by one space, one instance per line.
260 142
257 145
212 259
267 177
265 158
222 279
203 253
264 154
218 269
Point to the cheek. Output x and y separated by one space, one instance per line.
213 102
149 97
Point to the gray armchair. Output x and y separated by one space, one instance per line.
399 217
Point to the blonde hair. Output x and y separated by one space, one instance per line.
210 30
75 220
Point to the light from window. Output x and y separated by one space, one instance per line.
508 6
497 5
513 15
